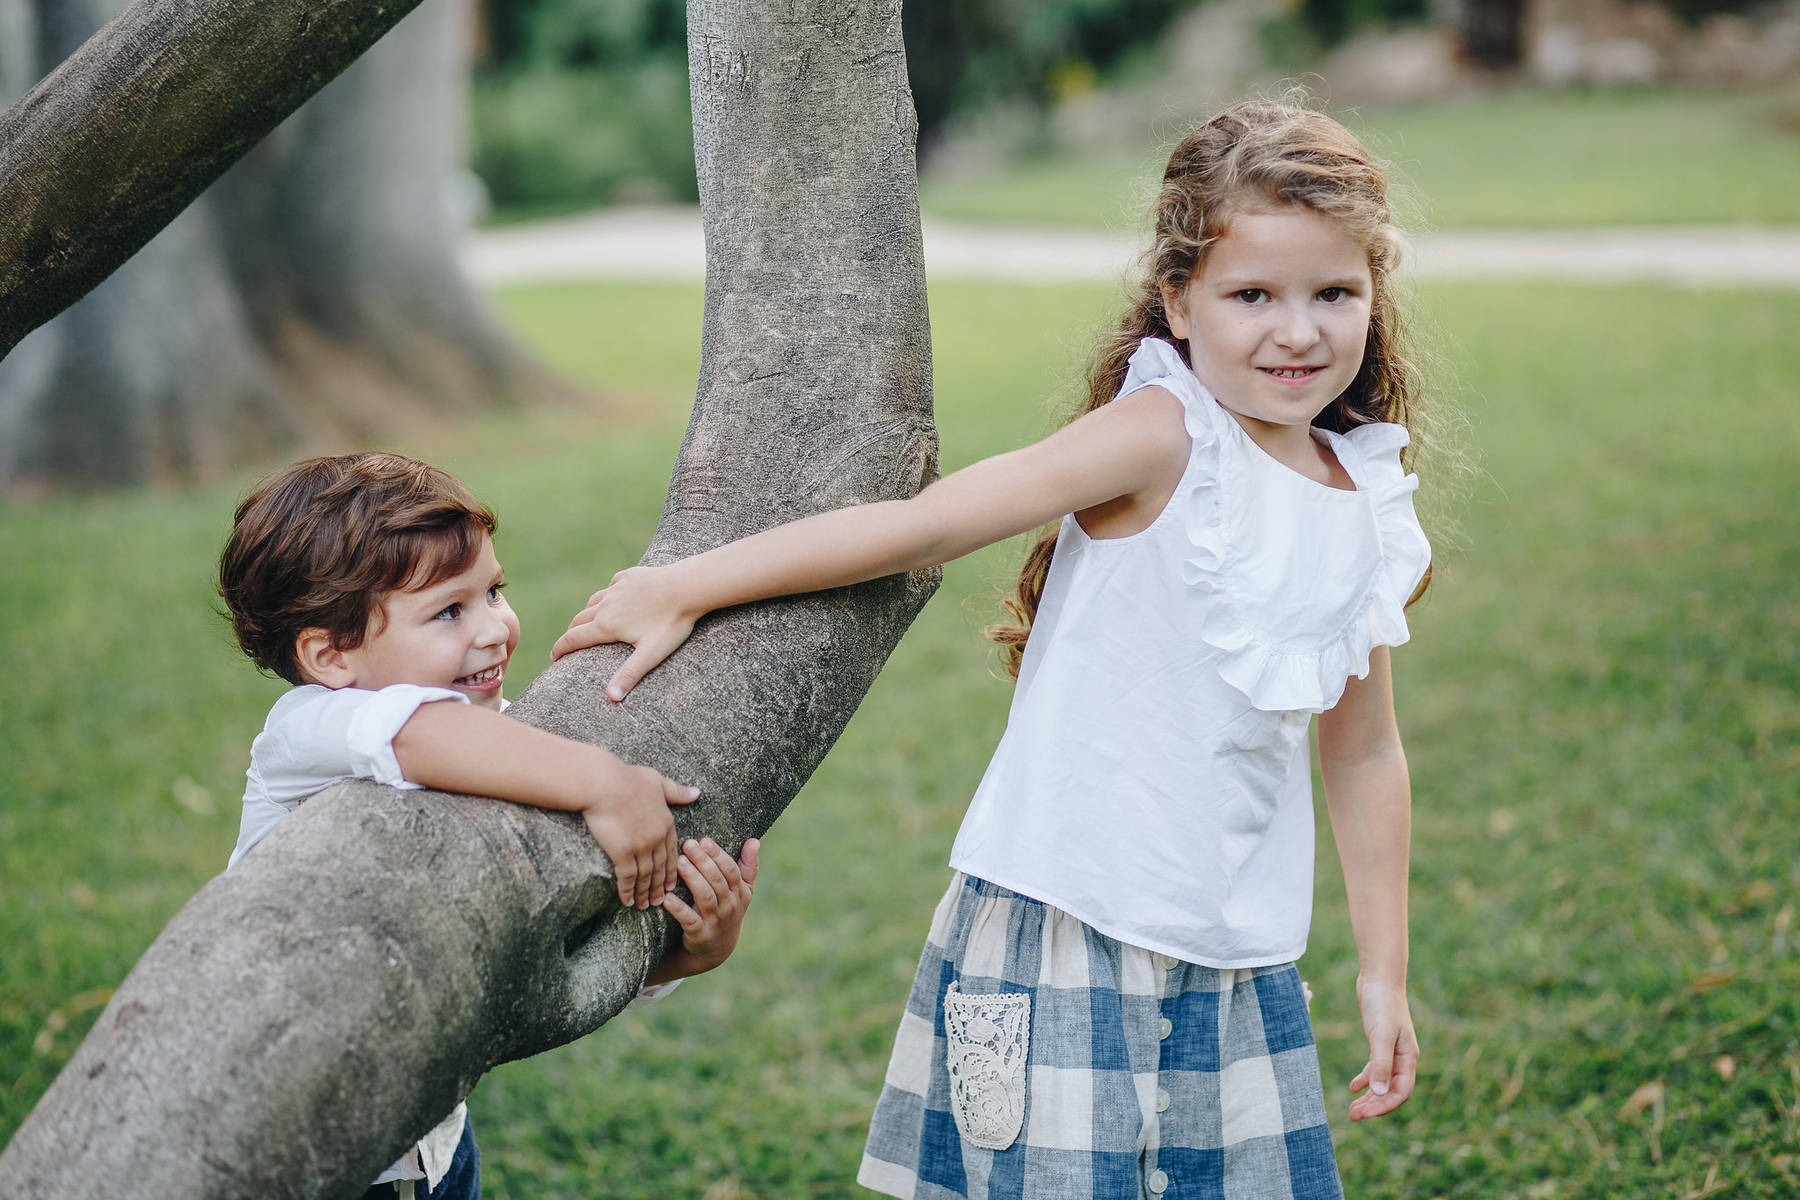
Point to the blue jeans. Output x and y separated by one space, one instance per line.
461 1182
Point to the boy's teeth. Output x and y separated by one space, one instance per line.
480 676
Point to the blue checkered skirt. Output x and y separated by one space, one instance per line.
1040 1059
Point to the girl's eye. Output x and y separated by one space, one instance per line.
1332 295
494 593
1251 295
449 612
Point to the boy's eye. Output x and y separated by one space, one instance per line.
449 612
1250 295
494 593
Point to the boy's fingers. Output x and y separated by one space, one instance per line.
656 880
679 793
625 875
747 863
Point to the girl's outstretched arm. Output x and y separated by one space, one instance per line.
1367 790
1134 448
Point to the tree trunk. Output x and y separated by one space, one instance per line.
310 297
308 1015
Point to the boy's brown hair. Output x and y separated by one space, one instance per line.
318 544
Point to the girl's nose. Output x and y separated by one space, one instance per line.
1298 330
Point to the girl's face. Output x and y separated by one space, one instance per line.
1277 318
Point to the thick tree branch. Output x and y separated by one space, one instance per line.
114 143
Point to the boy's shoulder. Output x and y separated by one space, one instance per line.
292 701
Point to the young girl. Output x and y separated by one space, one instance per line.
1107 1004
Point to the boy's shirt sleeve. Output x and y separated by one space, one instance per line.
316 736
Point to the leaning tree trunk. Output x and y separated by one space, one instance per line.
312 295
309 1014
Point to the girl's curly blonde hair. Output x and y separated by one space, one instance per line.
1257 156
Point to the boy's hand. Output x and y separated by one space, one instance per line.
639 607
634 827
722 890
1393 1064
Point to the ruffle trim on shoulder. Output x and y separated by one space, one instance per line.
1274 670
1157 362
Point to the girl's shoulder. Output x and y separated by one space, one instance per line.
1157 363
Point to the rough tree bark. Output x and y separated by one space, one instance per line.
311 295
305 1017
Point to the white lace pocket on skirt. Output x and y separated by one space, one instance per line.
987 1041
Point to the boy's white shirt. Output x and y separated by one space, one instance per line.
314 737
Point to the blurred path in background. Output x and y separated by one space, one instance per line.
665 243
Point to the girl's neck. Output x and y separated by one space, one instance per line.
1298 449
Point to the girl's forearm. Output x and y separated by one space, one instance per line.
831 549
1371 817
1138 443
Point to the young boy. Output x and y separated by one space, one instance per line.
369 582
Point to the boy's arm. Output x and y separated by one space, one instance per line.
710 926
1370 798
461 748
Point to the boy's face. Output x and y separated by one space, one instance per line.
457 633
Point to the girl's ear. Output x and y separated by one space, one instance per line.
321 661
1173 310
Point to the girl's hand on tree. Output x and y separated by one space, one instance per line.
639 607
1393 1064
721 889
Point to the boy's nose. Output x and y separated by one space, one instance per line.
494 629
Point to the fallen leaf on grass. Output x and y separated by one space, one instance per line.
1725 1067
192 797
1649 1096
1755 893
1650 1093
1711 980
58 1020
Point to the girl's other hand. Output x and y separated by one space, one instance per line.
639 607
1393 1065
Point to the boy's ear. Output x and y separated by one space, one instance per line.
320 661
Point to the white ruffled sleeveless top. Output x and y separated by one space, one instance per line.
1154 778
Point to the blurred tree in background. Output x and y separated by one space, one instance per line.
580 102
309 297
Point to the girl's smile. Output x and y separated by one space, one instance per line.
1276 322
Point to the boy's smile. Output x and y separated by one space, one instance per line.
457 633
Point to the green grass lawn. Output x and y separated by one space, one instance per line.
1526 159
1600 704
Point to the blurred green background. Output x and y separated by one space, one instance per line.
1600 700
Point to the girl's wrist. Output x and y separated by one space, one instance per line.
1393 978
